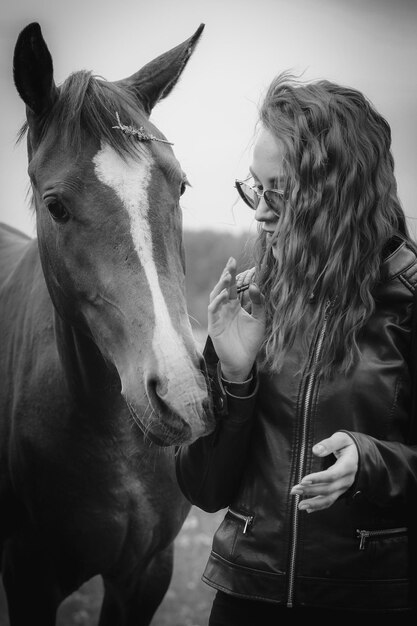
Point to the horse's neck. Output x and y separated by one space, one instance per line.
90 380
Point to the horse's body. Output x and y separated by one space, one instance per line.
100 376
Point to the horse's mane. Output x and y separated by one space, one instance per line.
89 103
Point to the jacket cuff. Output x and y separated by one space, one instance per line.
225 401
239 389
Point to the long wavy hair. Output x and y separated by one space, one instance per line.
341 210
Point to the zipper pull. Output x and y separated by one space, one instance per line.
363 535
243 518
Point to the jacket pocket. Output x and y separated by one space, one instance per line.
244 519
366 536
235 525
384 554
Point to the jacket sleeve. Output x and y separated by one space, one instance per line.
209 470
387 473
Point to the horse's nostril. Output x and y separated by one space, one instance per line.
157 389
151 385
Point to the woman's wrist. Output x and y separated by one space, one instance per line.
236 376
237 383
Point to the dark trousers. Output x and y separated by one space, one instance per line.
228 610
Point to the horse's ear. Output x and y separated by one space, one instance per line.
33 70
156 79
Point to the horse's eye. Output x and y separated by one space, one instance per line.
184 184
57 210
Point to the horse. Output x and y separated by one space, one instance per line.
101 377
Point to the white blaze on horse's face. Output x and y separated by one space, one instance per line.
130 179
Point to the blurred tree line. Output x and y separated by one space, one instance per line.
206 253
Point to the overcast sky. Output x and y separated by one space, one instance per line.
210 116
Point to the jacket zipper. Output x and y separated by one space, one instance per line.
247 519
306 410
365 535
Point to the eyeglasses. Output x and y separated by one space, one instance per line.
252 197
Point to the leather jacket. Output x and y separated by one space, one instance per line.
357 553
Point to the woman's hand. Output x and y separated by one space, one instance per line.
243 281
236 334
321 489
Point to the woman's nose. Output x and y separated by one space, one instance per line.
263 213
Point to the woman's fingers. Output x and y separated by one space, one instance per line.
258 302
319 496
325 488
334 444
218 300
243 282
217 289
246 277
227 281
320 490
319 503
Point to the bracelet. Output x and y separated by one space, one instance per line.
239 389
236 383
235 388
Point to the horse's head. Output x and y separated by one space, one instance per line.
106 188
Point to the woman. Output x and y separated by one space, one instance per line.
312 454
